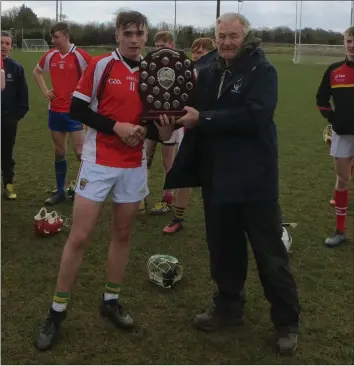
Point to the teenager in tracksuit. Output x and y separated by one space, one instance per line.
14 106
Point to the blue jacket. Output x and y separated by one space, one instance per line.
14 98
232 152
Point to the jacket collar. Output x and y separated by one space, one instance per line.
239 63
349 63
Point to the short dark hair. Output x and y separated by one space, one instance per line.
349 32
60 27
6 34
127 18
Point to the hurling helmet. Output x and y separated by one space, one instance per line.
47 223
327 134
164 270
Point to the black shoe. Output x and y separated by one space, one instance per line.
286 342
217 318
49 329
57 197
113 311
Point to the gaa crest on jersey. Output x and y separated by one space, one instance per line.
83 183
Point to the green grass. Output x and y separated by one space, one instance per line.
164 334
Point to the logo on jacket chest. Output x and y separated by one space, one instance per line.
236 86
340 78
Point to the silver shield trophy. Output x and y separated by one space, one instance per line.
167 83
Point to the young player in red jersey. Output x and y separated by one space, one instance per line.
107 101
65 64
338 84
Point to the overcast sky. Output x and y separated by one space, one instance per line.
334 15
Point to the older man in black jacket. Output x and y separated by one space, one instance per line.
230 150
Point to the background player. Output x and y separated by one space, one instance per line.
168 148
3 81
14 106
107 101
65 64
338 83
200 47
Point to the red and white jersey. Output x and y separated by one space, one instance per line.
111 88
65 72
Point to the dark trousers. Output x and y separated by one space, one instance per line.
8 138
227 226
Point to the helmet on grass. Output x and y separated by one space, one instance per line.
164 270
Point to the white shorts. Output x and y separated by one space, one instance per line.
176 137
342 146
128 185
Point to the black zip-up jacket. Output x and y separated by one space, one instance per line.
14 98
338 83
232 152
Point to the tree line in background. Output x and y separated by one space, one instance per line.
25 23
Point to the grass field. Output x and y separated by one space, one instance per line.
164 334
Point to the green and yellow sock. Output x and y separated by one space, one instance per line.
111 291
179 214
60 301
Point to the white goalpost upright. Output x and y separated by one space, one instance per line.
315 53
33 40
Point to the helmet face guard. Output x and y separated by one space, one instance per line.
164 270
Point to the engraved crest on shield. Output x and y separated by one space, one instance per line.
166 77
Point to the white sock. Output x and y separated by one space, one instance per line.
56 306
109 296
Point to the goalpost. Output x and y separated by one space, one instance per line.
33 40
320 54
34 45
316 53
